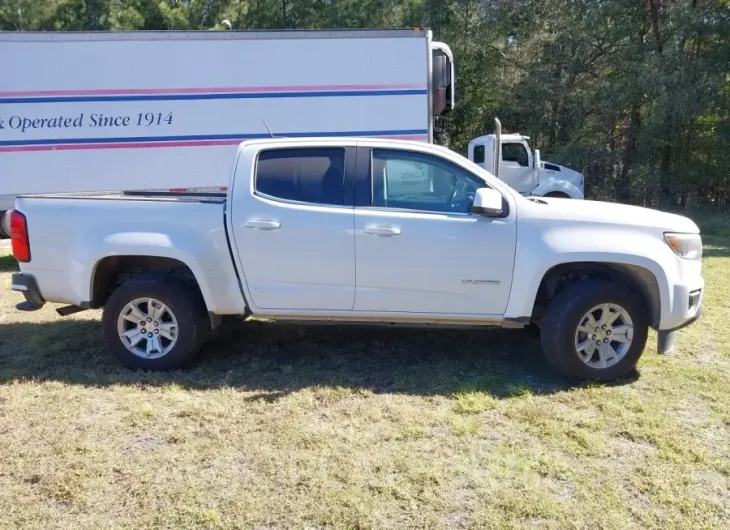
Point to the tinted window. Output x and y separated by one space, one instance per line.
313 175
515 153
479 154
404 179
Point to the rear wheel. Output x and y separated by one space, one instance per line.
155 325
4 224
595 330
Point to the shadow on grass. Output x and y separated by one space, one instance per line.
277 359
8 263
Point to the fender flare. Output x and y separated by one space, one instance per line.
525 295
181 256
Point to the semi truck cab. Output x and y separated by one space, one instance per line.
522 169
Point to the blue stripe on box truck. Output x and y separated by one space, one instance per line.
198 97
183 140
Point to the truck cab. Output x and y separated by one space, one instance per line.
521 168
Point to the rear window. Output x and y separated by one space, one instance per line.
314 175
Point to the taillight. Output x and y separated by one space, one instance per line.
19 236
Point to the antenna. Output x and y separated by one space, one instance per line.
267 127
269 130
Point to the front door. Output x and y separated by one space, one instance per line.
515 167
418 247
293 233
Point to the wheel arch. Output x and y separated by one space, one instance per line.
111 271
557 195
557 186
639 279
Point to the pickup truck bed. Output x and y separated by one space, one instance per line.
362 230
128 228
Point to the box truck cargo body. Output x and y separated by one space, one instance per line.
97 111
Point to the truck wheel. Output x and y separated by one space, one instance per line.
4 224
154 325
595 330
441 137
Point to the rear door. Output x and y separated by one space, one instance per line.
293 230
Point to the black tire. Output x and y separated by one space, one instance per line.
532 330
560 323
442 138
4 224
558 195
184 302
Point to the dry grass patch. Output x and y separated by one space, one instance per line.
353 427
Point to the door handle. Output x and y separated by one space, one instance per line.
262 224
382 230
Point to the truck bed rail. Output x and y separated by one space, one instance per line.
217 197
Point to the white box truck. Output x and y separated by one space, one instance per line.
95 111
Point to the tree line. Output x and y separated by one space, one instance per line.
634 93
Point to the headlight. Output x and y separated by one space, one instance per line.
687 246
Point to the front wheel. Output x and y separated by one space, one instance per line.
154 325
595 331
557 195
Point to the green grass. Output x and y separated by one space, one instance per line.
712 221
7 262
354 427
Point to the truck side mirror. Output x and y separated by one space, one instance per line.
487 202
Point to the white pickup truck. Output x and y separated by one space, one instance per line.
328 230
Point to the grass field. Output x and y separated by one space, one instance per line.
353 427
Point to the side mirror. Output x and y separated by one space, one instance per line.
487 202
